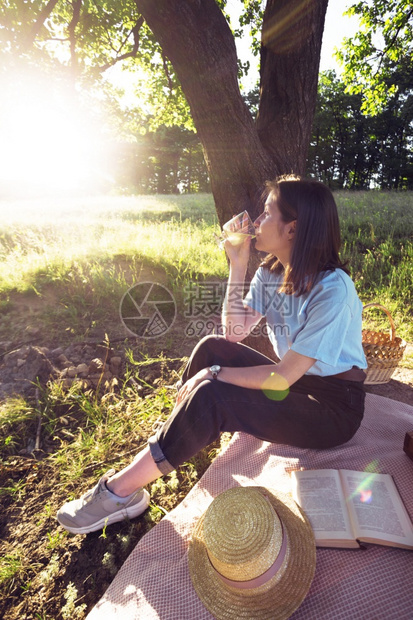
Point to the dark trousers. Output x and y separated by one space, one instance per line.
316 412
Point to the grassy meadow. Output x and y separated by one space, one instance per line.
64 267
87 252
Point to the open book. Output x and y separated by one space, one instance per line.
347 507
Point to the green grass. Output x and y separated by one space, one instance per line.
14 565
82 255
104 428
16 415
85 433
171 233
377 234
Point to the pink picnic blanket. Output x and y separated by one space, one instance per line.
376 583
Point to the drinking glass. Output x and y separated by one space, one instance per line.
237 229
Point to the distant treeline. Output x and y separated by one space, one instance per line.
166 161
352 150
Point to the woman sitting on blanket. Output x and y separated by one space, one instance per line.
312 398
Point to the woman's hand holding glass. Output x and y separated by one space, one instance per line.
236 237
238 255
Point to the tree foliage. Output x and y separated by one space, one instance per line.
383 44
168 160
351 149
80 40
86 37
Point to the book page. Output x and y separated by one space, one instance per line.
376 508
319 494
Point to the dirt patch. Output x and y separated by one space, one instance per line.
62 575
400 386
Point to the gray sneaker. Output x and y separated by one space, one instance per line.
99 507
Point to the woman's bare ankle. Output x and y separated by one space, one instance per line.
143 470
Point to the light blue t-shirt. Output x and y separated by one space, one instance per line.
324 324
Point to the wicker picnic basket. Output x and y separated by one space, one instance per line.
383 351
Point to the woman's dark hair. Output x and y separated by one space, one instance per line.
317 238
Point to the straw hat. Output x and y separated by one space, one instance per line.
252 555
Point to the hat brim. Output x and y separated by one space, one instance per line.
284 594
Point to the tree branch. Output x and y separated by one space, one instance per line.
133 52
38 23
393 41
57 39
77 5
166 69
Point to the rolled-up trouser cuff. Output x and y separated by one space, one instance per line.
158 456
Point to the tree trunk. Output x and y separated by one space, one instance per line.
196 38
240 156
290 57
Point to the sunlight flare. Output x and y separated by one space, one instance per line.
47 143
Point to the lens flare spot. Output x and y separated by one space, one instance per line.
366 496
373 467
275 387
